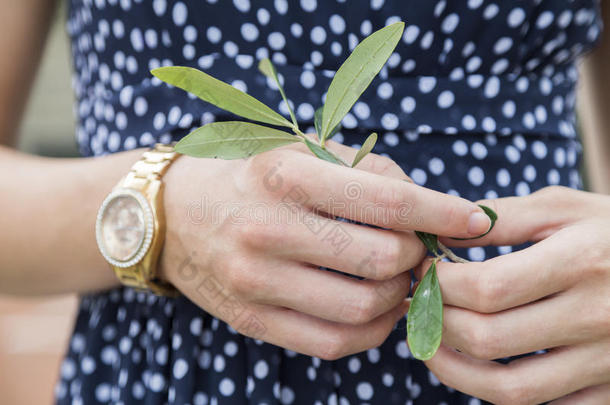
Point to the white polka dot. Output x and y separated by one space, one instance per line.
468 122
476 176
287 395
402 350
137 40
159 6
308 79
389 121
553 177
261 369
473 63
140 106
450 23
522 189
492 87
249 32
390 139
474 4
445 99
419 176
476 254
503 177
309 5
426 84
385 90
242 5
377 4
336 24
362 110
408 104
387 379
180 368
353 364
102 392
516 17
281 6
213 34
488 124
544 19
296 30
539 149
364 390
512 154
318 35
276 40
529 120
436 166
179 13
226 387
190 33
426 41
410 34
263 16
478 150
502 45
508 109
157 382
491 11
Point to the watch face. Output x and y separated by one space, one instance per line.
124 227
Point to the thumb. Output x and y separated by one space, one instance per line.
529 218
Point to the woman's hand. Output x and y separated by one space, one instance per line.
553 295
245 239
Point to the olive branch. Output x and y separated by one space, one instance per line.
239 139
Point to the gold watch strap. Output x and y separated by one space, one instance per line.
150 168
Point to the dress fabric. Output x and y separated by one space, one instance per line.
478 101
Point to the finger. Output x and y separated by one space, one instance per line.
503 282
525 329
315 292
327 340
379 200
532 217
355 249
596 395
529 380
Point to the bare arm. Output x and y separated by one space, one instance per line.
47 206
594 108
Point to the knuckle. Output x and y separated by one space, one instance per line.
388 259
483 342
334 347
384 165
240 280
389 198
487 290
513 390
363 309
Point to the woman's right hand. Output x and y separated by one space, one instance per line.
245 239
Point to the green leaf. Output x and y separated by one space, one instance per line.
366 148
493 218
267 68
356 73
232 140
318 124
429 240
219 93
425 318
322 153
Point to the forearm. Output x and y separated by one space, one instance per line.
47 220
594 102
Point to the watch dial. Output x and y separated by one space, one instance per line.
123 227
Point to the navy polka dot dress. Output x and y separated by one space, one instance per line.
478 101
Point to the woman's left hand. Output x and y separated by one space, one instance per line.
552 295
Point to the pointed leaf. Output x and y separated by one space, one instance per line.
322 153
366 148
267 68
219 93
232 140
493 217
356 73
429 240
425 318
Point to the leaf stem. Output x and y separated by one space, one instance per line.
450 255
301 135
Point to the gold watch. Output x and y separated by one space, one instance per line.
130 225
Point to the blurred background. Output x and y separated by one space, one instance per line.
34 332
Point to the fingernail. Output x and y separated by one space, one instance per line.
478 223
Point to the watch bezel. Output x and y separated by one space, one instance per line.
149 225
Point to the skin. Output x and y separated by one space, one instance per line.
268 270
